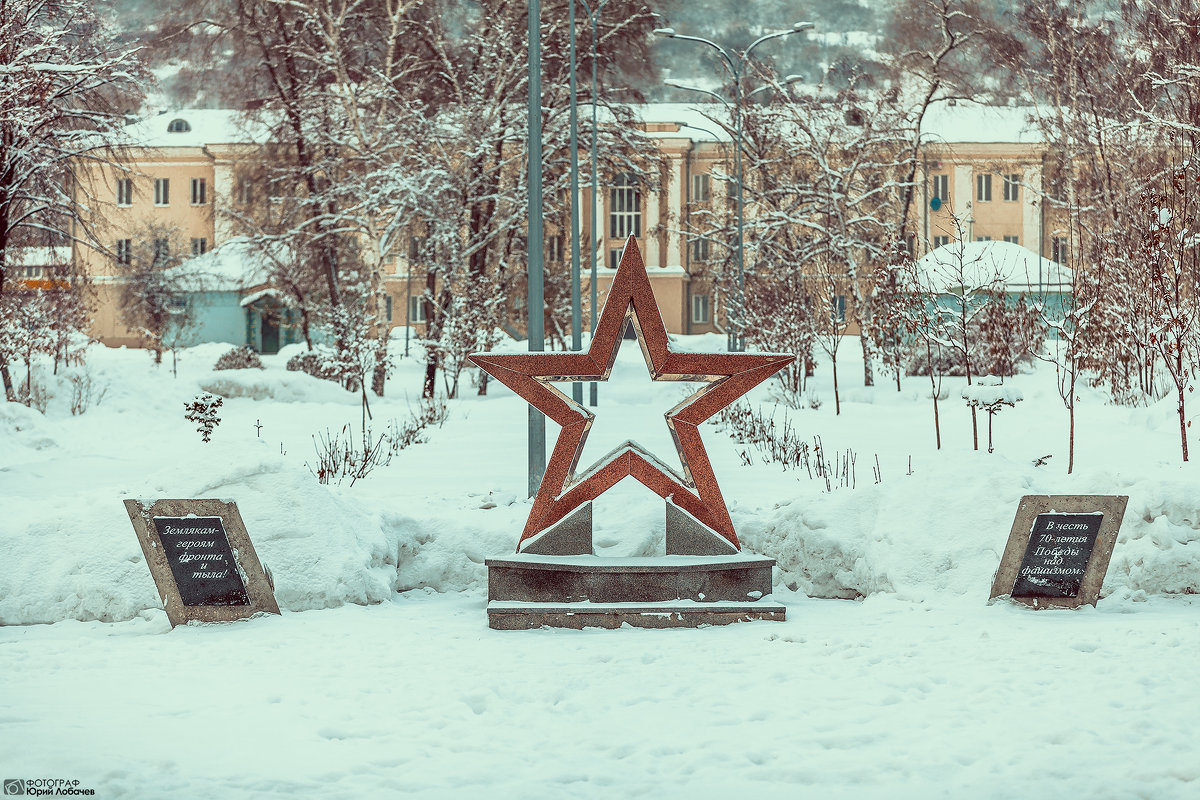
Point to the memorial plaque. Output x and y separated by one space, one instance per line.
202 560
1058 550
1057 555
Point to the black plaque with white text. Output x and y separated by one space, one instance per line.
201 561
1056 558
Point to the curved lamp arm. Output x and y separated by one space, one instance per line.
677 85
728 59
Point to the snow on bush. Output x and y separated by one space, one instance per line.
312 363
239 358
286 387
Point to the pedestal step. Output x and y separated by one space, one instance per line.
572 579
529 591
509 616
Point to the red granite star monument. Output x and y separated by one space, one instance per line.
726 377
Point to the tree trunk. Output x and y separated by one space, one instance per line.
379 375
429 389
1182 425
837 403
1071 439
1071 426
9 393
937 425
868 372
483 383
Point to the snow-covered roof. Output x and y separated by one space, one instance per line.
37 256
963 122
234 266
254 297
694 117
194 127
1016 268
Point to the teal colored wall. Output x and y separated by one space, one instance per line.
215 317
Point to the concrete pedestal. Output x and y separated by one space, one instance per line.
576 591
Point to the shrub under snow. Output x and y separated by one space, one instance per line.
239 358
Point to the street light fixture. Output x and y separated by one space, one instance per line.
734 63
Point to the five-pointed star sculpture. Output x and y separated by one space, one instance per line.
727 377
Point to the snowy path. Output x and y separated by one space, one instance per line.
417 698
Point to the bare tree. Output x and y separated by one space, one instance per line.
63 79
1170 254
917 312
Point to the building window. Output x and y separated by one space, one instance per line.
700 308
387 307
162 191
1013 239
245 191
415 245
178 126
199 191
625 207
199 246
983 238
416 309
910 245
699 249
614 258
276 189
554 249
983 188
124 192
940 241
32 272
1058 249
700 187
1058 187
162 251
941 188
837 308
1012 187
124 251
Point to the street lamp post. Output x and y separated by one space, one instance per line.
734 63
576 311
536 299
593 17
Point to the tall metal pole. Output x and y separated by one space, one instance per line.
594 16
734 63
576 311
534 240
737 342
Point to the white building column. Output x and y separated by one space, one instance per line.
675 185
963 195
223 191
1031 209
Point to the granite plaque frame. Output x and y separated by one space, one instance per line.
1058 550
202 560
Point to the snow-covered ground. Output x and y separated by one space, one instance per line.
382 679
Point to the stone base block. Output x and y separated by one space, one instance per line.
530 591
548 579
510 616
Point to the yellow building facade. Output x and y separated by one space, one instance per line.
178 180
